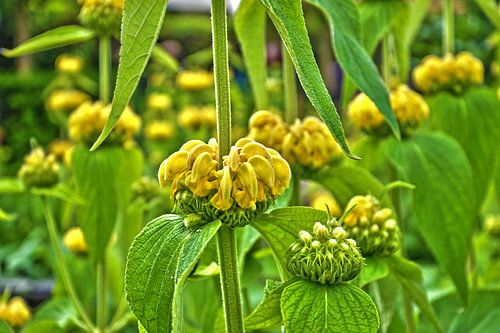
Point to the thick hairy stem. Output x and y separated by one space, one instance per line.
105 69
448 27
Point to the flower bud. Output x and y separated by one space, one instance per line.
339 233
321 231
325 201
305 236
102 16
16 312
39 169
74 240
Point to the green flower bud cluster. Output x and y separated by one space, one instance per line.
39 169
103 16
373 227
146 188
492 225
327 256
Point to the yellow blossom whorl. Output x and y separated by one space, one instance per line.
267 128
39 169
159 130
65 100
194 79
194 117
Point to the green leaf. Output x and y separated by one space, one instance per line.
280 228
61 191
471 119
164 58
5 328
141 25
443 201
42 326
344 22
312 307
60 310
246 238
160 260
6 217
410 276
268 312
490 9
58 37
205 271
288 19
250 28
11 185
375 269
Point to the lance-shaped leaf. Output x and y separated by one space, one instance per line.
288 19
344 22
313 307
443 199
141 26
160 260
51 39
250 28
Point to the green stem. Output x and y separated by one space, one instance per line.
226 240
101 296
289 86
448 27
61 266
105 69
410 322
295 200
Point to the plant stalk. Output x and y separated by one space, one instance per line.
448 27
289 86
61 266
105 69
226 240
101 296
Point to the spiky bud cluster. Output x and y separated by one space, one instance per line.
327 256
158 102
194 117
408 106
453 73
15 312
373 227
39 169
69 64
492 225
86 123
65 100
102 16
74 240
194 80
307 142
324 200
251 177
146 188
159 130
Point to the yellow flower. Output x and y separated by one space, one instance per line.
39 169
197 116
16 312
159 130
158 102
326 201
195 79
365 208
267 128
86 123
65 100
68 63
59 148
74 240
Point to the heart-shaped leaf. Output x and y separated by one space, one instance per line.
268 312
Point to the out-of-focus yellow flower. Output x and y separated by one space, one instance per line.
16 312
103 16
492 225
74 240
59 148
65 100
87 122
195 79
267 128
452 72
39 169
325 201
68 63
251 173
158 102
408 106
310 143
365 207
194 117
159 130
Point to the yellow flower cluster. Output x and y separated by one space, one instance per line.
307 142
158 102
452 72
68 63
408 106
159 130
65 100
39 169
324 200
197 116
15 312
251 173
195 79
104 16
86 123
60 148
74 240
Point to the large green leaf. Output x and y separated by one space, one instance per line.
141 24
268 312
374 269
60 310
5 328
280 228
288 19
312 307
160 260
51 39
250 28
344 22
443 199
472 120
42 326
